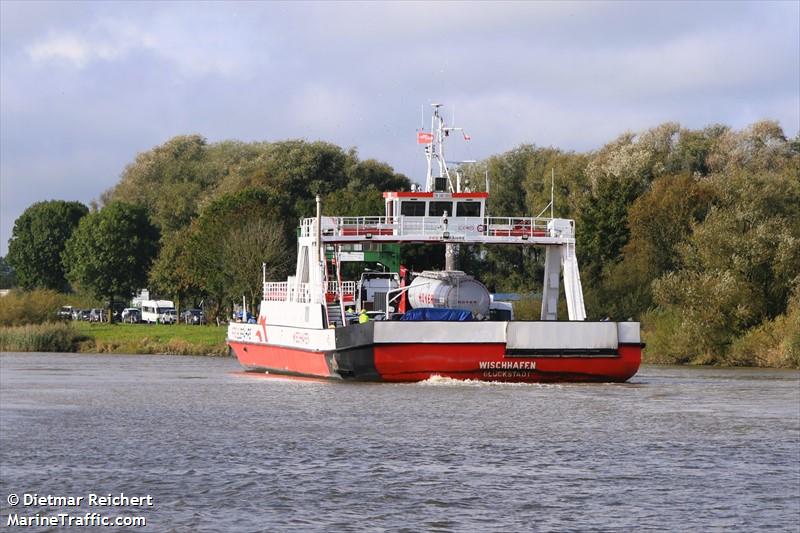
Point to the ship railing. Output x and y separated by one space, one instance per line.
440 227
348 291
276 291
283 291
517 227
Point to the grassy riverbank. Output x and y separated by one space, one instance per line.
117 338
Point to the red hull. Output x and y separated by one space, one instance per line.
281 360
418 362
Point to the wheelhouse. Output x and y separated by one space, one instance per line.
436 204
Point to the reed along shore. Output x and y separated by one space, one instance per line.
115 338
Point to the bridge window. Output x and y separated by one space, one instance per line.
412 209
468 209
437 209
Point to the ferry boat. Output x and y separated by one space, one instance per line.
410 327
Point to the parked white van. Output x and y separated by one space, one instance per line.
161 311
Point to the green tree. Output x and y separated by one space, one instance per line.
111 251
372 174
224 234
602 230
297 169
352 203
171 180
693 149
37 241
660 220
507 174
172 272
259 242
617 176
739 265
177 179
762 146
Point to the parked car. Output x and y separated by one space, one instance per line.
96 315
131 315
193 316
117 308
65 313
155 311
169 316
85 314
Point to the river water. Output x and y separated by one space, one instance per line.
220 450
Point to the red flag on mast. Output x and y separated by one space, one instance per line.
424 137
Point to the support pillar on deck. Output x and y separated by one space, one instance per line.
552 272
561 260
451 257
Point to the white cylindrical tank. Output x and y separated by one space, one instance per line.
451 290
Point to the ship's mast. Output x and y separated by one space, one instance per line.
434 153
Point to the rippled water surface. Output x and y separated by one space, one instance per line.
220 450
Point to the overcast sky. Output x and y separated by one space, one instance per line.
84 87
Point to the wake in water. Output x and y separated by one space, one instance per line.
442 381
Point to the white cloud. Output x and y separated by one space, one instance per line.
192 49
105 40
66 48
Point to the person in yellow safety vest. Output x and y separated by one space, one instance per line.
362 317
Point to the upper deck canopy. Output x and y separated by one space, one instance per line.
419 194
441 217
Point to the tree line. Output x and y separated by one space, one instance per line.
693 232
194 221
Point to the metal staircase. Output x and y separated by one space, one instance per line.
335 314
